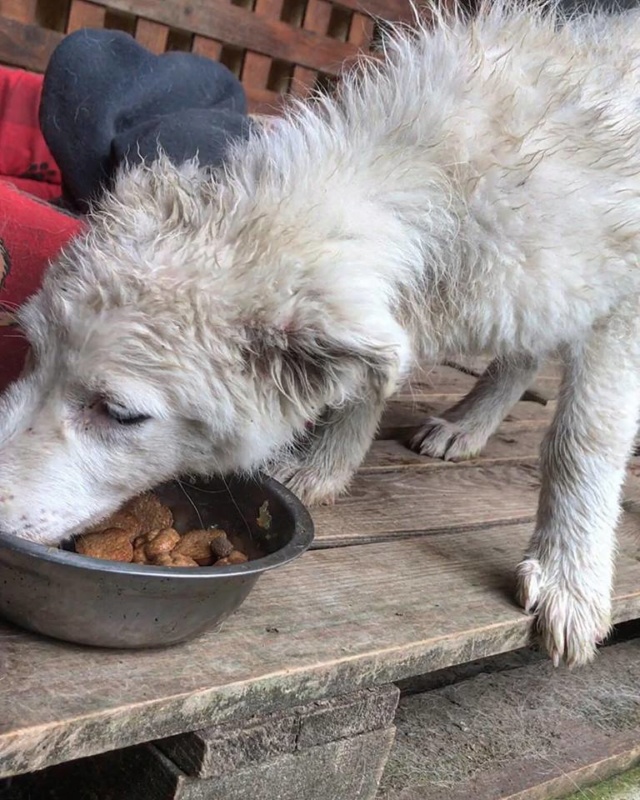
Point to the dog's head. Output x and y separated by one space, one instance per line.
161 347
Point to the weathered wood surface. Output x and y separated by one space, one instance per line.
503 448
426 582
223 749
387 505
337 620
404 414
327 749
25 45
525 733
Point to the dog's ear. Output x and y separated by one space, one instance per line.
312 368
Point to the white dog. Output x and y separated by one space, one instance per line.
478 192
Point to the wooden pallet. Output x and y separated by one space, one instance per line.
411 573
274 46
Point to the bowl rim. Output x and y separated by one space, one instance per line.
303 534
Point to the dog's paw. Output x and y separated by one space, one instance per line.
571 618
315 488
440 438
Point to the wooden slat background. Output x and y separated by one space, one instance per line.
274 46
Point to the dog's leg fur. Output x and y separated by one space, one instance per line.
322 468
567 574
463 430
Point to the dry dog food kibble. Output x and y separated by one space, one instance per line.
141 532
234 557
205 546
150 546
112 544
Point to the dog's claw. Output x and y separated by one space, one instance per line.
569 619
440 438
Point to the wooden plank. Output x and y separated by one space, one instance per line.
26 46
19 10
255 70
520 447
263 101
242 28
551 369
404 416
385 505
545 385
316 19
332 622
152 35
391 10
85 15
455 381
361 31
206 47
436 381
388 505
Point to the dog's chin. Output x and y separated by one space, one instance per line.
56 530
48 535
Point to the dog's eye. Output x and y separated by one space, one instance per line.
122 416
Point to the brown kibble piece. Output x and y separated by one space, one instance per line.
149 547
175 560
204 546
234 557
114 544
151 514
122 520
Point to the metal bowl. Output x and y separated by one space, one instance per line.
110 604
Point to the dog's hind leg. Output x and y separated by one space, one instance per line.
324 465
463 430
566 577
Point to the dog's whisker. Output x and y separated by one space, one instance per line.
193 505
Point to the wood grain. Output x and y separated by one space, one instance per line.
388 505
528 732
332 622
403 416
152 35
255 71
26 46
206 47
242 28
20 10
85 15
545 385
317 17
518 447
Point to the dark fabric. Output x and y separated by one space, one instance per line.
106 100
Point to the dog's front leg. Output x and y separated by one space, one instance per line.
323 467
566 577
463 430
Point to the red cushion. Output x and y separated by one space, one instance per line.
31 233
24 157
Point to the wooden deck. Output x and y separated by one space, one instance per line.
412 572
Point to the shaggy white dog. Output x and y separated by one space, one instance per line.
477 192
